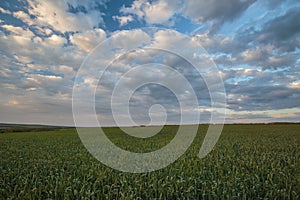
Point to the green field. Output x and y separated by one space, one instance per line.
248 162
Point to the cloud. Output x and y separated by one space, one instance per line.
13 103
5 11
37 74
282 32
39 50
55 41
18 31
123 20
295 85
262 56
55 15
249 116
42 110
273 44
265 116
214 10
87 4
124 64
264 90
17 36
87 40
128 39
156 12
23 16
135 8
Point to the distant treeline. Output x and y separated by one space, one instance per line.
26 129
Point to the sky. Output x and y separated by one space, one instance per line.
255 45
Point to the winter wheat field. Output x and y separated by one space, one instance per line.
252 161
149 99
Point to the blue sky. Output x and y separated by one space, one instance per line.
254 43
